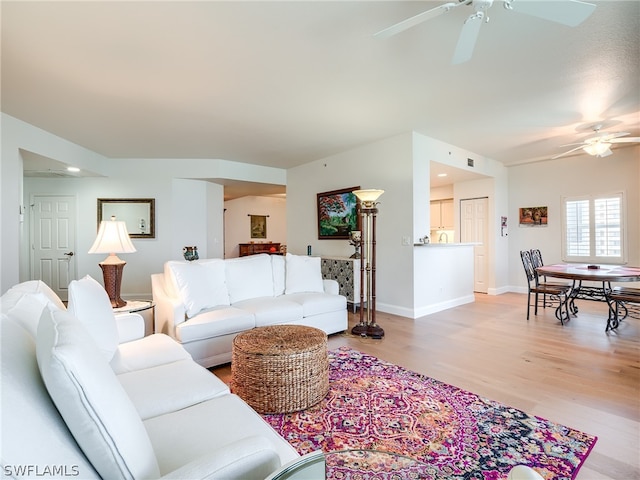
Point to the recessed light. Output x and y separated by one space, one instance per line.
442 174
73 169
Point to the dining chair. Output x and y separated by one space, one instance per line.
556 291
622 301
536 259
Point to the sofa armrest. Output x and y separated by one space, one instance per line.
331 287
130 326
170 311
249 458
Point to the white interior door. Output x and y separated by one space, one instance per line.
473 229
53 234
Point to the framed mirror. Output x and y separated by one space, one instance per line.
137 213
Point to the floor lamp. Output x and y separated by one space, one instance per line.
113 238
368 211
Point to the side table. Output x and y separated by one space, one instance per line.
346 271
146 308
280 368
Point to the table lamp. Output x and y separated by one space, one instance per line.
113 238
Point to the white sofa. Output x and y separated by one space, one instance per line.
77 403
204 304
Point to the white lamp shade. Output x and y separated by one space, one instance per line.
112 238
368 196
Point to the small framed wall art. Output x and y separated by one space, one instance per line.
533 217
258 226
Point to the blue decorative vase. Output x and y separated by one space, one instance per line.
190 253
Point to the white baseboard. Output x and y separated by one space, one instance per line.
422 311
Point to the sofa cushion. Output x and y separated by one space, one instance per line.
28 309
147 352
303 274
318 303
278 267
93 404
13 295
188 434
90 304
200 285
32 430
249 277
272 311
214 323
166 388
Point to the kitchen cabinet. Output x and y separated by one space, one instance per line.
442 214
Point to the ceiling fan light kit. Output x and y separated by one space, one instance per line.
599 145
598 149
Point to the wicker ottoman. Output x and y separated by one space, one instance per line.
281 368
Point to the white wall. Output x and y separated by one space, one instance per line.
494 187
387 165
196 218
17 135
544 183
215 221
238 222
189 206
399 165
181 219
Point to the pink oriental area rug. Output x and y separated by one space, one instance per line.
376 405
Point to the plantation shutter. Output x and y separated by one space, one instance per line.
577 228
593 229
607 227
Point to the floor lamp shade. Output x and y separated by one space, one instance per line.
113 238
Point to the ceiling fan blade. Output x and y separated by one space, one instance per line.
467 39
572 144
416 20
624 140
567 12
567 152
603 136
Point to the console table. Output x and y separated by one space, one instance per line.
254 248
346 271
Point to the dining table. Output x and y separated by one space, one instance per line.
601 274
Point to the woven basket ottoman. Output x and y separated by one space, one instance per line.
280 368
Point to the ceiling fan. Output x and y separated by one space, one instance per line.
599 145
566 12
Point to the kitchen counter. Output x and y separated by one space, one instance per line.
445 244
443 276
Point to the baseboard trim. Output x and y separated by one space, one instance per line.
422 311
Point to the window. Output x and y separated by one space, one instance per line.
593 229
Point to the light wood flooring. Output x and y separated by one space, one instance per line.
575 374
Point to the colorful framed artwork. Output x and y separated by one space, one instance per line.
337 214
533 217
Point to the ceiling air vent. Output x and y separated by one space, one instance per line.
469 162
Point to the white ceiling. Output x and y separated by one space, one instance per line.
285 83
